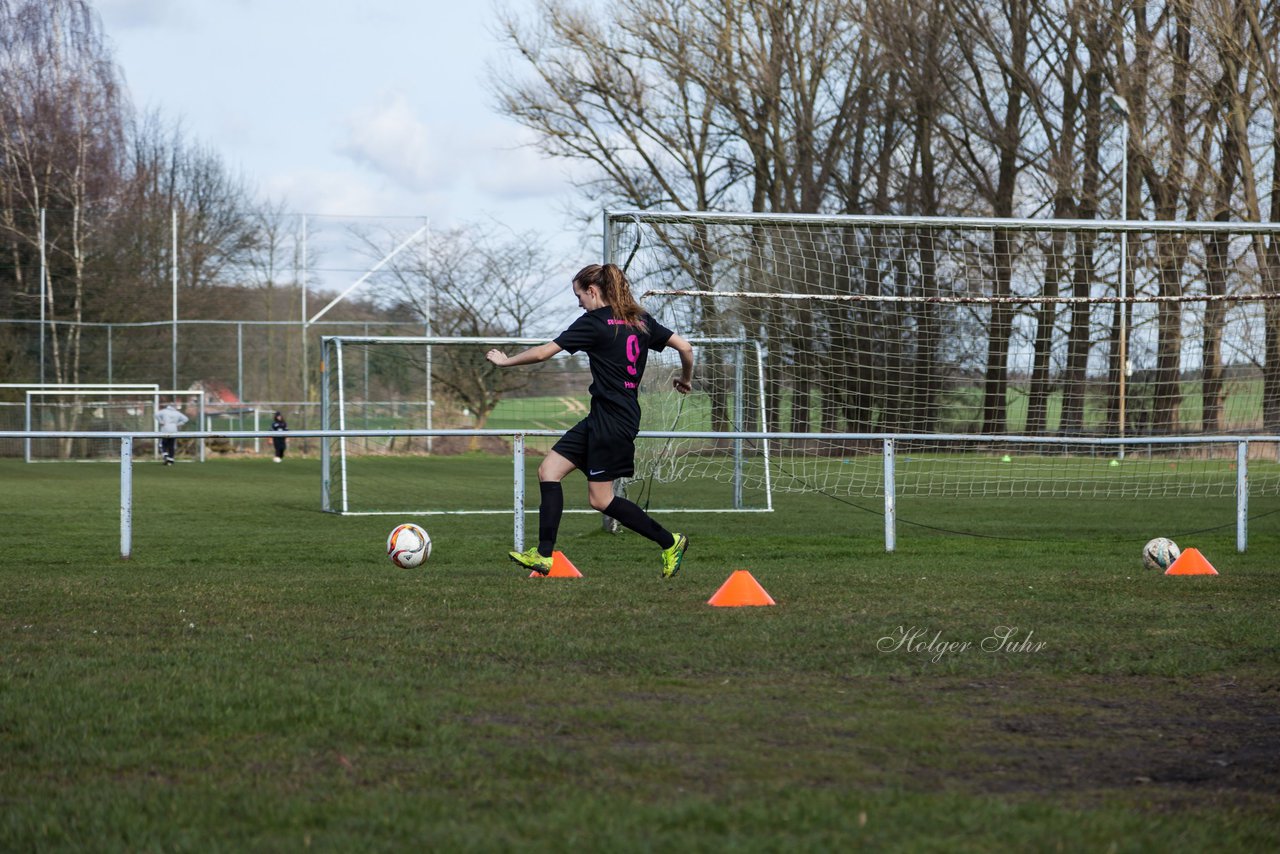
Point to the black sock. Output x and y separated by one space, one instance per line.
549 513
630 514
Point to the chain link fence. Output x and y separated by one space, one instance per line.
248 369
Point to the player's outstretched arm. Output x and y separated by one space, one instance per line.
532 356
684 382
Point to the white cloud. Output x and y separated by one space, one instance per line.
390 139
515 169
329 192
445 154
373 109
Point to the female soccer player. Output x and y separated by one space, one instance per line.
616 334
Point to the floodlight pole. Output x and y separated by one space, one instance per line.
302 280
174 276
431 403
1118 104
44 284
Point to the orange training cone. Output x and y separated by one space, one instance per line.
1191 562
740 589
561 567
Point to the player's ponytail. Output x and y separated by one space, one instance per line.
615 290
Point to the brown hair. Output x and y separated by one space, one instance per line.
614 289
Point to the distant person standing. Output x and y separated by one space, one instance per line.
279 426
170 420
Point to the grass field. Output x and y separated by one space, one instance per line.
259 676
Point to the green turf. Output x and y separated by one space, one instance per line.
259 677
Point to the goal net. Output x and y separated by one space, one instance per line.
1067 335
14 410
386 384
105 410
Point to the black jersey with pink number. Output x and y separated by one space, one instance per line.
617 354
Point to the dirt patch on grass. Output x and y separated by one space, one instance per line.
1214 738
1077 741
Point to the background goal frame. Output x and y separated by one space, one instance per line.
737 371
152 395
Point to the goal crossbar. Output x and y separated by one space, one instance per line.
977 223
1153 299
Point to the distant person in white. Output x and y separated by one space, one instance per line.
169 421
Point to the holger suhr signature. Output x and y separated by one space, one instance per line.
913 639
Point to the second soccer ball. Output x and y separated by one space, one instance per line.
1160 553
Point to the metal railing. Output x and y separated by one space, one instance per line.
888 444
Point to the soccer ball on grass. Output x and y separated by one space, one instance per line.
408 545
1160 553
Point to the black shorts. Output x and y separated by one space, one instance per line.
600 457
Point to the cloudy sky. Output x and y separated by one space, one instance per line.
348 107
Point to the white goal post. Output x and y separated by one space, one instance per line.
80 386
106 410
1045 330
446 384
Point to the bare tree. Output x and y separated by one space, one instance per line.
61 134
619 96
218 220
700 106
1090 29
1231 92
174 186
1249 45
1067 55
987 137
272 259
1155 83
466 282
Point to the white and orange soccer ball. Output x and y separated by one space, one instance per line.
408 545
